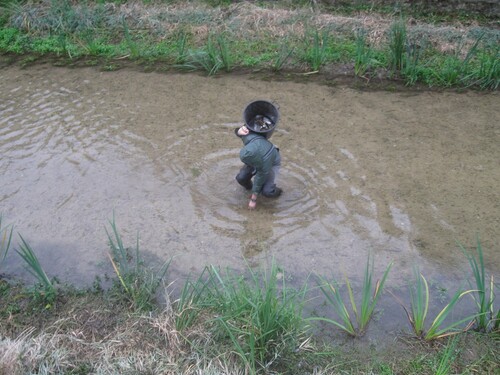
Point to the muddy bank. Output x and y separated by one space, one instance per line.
401 174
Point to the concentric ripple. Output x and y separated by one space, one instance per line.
221 202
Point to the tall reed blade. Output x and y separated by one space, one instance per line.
397 44
5 240
194 297
331 291
282 56
483 298
36 269
260 314
139 282
417 313
369 298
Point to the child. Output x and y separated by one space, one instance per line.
262 160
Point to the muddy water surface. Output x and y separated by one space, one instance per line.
401 174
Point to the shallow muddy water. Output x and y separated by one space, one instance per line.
404 175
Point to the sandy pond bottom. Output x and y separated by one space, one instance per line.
404 175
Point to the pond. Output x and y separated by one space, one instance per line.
404 175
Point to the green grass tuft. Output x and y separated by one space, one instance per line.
5 240
363 312
48 291
138 282
483 291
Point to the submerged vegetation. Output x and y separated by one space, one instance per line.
223 322
280 37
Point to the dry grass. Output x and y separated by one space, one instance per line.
246 20
250 20
94 338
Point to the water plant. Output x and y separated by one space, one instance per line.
483 292
419 307
138 282
5 240
48 291
363 313
261 316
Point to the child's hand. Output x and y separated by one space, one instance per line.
253 202
252 205
243 131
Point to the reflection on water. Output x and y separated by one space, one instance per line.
359 174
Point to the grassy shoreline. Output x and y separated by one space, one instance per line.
194 36
94 332
223 322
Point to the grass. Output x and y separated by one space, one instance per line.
363 54
397 45
5 240
283 54
483 290
192 301
419 308
354 325
261 316
447 358
47 292
316 54
138 282
200 38
222 323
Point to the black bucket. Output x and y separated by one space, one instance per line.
261 116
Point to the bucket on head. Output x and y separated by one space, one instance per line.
261 116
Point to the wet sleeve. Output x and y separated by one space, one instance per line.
260 178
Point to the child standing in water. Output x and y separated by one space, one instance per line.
261 158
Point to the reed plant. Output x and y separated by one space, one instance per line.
213 57
138 282
413 69
482 289
419 308
397 45
260 315
363 57
224 52
48 291
486 72
454 70
282 56
181 47
316 53
132 45
193 300
355 322
5 240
